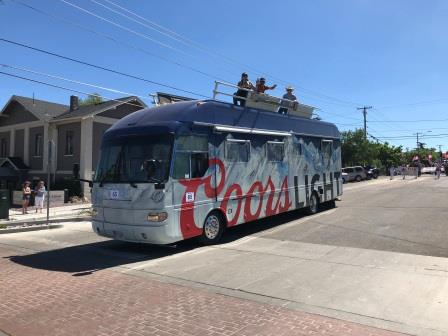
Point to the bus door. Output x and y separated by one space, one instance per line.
193 178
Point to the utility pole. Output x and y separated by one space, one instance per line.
422 134
364 112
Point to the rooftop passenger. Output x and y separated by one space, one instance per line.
244 83
261 87
289 96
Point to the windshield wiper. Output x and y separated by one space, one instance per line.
133 185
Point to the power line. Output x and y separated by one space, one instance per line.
149 38
336 114
407 121
72 81
64 88
175 49
421 103
100 67
113 39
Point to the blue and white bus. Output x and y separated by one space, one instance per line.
195 168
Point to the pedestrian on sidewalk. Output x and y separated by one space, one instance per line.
40 192
392 172
438 171
26 195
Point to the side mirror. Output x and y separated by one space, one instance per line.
76 175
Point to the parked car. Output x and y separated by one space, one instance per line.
344 176
372 172
356 173
428 170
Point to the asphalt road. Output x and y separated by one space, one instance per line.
378 258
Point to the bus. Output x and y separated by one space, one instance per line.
195 168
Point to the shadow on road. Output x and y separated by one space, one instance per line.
88 258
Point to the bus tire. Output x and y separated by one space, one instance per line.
313 208
213 229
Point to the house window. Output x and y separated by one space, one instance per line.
69 143
3 146
275 151
38 145
237 150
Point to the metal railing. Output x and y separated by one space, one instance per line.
264 101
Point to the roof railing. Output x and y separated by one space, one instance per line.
265 101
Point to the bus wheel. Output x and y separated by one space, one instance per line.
213 229
314 204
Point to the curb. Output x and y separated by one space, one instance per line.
41 225
40 219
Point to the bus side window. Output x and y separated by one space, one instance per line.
237 150
191 157
199 164
181 166
327 151
275 151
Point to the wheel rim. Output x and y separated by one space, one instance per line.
211 227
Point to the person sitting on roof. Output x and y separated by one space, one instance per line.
289 96
261 87
244 83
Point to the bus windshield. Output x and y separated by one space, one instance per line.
135 159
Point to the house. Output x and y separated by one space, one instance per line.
28 125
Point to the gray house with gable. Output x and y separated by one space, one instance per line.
27 125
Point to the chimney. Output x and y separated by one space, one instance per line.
74 103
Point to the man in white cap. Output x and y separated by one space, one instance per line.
288 95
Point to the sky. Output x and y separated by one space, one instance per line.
339 55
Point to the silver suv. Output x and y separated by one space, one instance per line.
356 173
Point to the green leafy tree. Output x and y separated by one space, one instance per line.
92 99
356 150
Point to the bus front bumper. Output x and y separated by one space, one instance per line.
135 233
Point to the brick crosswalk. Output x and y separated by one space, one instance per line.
36 302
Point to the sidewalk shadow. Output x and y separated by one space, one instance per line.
88 258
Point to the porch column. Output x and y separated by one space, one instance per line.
53 135
45 149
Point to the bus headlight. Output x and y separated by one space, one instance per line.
157 216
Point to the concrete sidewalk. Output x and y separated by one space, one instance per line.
66 212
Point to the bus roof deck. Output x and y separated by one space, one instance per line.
221 116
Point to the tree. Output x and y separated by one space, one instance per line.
92 99
356 150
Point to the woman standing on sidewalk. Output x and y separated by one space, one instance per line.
26 194
40 196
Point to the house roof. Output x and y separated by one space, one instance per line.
41 109
84 111
15 162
